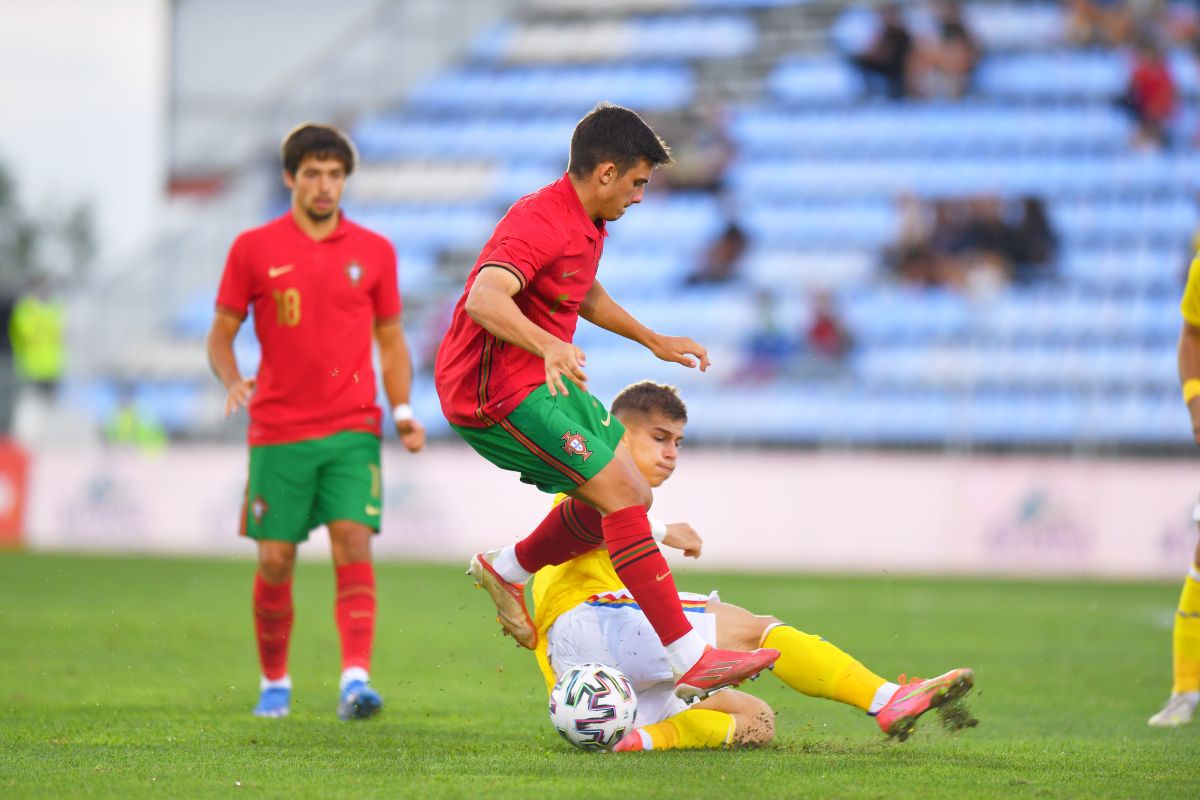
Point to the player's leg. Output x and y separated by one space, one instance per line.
350 499
699 669
1185 647
572 444
729 718
807 663
815 667
279 497
556 444
273 615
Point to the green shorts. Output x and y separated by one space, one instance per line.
555 443
297 486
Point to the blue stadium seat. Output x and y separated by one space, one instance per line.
1060 74
814 80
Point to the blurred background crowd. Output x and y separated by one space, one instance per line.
943 224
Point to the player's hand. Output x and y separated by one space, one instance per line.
681 350
239 395
564 359
412 435
683 537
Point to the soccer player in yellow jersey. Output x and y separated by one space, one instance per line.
584 614
1186 638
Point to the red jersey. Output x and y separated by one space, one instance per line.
315 307
553 248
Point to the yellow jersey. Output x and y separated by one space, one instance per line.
1190 305
558 589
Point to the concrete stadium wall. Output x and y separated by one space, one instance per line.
817 512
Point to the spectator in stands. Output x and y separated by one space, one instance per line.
975 243
1150 95
947 63
911 256
827 338
37 331
8 375
1114 22
988 247
702 148
130 427
1036 245
768 348
888 58
722 258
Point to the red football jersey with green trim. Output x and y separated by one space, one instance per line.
315 305
548 242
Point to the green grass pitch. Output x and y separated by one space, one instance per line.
134 677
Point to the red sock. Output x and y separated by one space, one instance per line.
644 571
355 613
571 529
272 625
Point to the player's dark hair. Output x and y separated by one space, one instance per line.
616 134
646 398
319 141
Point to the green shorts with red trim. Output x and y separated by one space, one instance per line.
295 487
555 443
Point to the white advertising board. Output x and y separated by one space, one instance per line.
817 512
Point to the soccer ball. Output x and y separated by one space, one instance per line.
593 706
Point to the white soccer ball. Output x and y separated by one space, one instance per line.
593 706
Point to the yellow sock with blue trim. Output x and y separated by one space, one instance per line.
692 729
1186 636
814 667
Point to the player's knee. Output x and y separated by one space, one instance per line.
635 490
755 724
765 623
276 567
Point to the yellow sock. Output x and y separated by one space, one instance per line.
814 667
1186 638
692 729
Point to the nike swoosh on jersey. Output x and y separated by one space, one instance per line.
275 272
373 510
569 274
662 577
607 420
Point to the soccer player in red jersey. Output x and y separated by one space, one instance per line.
321 287
512 384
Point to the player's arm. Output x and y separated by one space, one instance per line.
1189 373
395 364
224 330
490 303
600 309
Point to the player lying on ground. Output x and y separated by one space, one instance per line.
1185 690
584 614
512 385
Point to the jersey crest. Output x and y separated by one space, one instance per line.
259 509
574 444
354 272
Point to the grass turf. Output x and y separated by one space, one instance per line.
135 677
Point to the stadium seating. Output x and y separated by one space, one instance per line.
1082 359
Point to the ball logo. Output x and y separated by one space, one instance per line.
574 444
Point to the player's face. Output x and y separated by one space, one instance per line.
317 187
654 442
619 191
